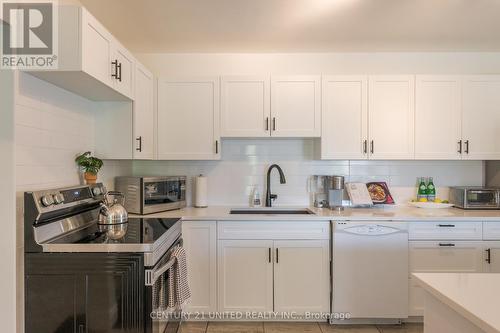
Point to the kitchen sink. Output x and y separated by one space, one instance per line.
271 211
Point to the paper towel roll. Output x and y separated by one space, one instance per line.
201 192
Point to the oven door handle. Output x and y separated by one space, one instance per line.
152 275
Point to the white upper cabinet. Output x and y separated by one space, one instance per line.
344 117
188 118
481 117
97 48
296 106
438 118
245 106
391 116
122 71
143 111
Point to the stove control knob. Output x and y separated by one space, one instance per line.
58 198
97 191
47 200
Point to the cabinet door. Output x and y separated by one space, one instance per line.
245 275
144 117
344 117
123 69
200 242
302 276
295 106
96 49
188 118
481 116
492 257
440 257
438 118
245 105
54 303
391 117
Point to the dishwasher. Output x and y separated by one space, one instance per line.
370 271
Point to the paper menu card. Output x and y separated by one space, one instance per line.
358 193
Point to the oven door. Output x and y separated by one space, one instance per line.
159 318
161 194
481 199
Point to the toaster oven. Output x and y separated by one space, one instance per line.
146 195
475 197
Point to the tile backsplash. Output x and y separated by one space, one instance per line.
244 165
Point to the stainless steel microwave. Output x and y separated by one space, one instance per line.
475 197
146 195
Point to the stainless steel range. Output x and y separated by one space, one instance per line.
79 280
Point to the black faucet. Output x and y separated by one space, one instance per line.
269 196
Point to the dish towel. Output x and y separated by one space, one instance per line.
179 293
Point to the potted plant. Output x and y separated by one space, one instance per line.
90 165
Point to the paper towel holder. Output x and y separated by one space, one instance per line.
201 192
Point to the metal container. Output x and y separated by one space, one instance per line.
336 193
113 217
318 187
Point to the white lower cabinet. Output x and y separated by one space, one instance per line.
302 276
271 273
492 257
245 275
200 242
438 257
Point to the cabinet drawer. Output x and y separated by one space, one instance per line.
273 230
445 230
491 230
445 256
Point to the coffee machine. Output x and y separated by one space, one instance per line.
336 193
327 191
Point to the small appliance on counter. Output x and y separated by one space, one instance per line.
336 193
318 187
146 195
475 197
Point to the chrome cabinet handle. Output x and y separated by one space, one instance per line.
277 255
119 72
459 147
267 123
216 146
274 123
488 256
372 147
269 255
467 146
139 138
365 146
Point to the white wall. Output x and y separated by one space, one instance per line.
322 63
244 165
7 204
52 126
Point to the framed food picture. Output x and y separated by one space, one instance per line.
380 194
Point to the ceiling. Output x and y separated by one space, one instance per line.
158 26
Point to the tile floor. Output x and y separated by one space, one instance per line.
282 327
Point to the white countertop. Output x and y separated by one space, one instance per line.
387 213
475 296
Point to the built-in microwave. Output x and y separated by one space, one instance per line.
475 197
146 195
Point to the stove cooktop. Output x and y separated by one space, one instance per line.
142 233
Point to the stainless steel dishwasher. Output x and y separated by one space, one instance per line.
370 271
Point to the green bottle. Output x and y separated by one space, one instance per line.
422 189
431 190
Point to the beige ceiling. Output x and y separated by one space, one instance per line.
301 25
